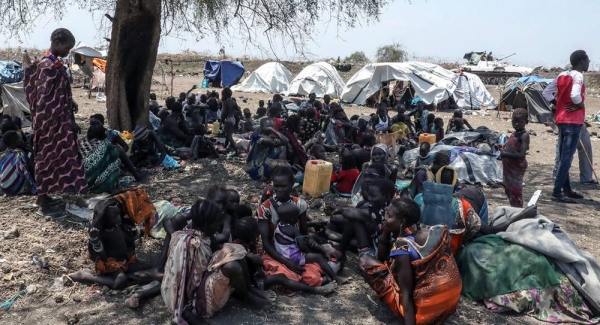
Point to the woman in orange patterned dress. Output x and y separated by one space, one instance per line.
415 273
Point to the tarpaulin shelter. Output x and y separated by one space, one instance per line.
89 61
471 93
10 72
431 83
14 101
526 92
272 77
320 78
223 73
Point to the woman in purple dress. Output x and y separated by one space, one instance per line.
58 162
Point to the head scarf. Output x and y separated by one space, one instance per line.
382 147
438 175
140 133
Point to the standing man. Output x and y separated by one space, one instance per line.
567 92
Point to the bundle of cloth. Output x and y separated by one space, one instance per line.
533 268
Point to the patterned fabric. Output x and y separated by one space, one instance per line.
193 278
308 129
15 178
437 282
514 170
59 165
259 156
555 304
466 225
402 246
102 165
111 265
138 207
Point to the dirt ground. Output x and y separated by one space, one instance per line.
62 243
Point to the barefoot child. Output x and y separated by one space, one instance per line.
438 129
297 248
513 155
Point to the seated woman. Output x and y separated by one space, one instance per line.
174 132
16 168
426 173
266 145
197 281
309 125
337 127
358 133
102 161
413 273
364 223
381 120
111 244
147 150
296 153
113 136
379 154
268 218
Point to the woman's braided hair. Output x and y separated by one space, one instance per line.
205 213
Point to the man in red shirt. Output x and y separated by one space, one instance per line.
567 92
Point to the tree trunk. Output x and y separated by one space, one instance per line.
131 59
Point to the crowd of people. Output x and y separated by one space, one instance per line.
416 245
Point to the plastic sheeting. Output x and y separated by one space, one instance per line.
471 168
432 83
527 92
225 73
471 93
10 72
15 102
272 77
320 78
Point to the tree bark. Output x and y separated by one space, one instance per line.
131 59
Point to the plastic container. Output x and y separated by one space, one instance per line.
216 127
427 137
317 177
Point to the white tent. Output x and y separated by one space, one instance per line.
320 78
471 93
431 82
272 77
15 101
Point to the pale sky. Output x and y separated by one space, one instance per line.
541 32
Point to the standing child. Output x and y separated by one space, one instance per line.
261 110
248 125
513 158
297 248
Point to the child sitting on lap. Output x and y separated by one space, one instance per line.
297 248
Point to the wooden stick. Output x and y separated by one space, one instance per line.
588 159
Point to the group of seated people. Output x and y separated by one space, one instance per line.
406 239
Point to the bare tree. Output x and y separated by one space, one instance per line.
138 24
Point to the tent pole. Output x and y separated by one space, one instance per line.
588 158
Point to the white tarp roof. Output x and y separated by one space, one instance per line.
320 78
272 77
85 50
471 93
431 82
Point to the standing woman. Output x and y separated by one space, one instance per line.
58 162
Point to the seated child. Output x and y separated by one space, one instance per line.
147 149
458 113
399 124
297 248
261 111
430 124
344 179
458 125
246 233
438 129
247 125
317 151
16 168
113 136
424 159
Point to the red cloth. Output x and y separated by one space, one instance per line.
277 122
311 275
345 180
564 85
